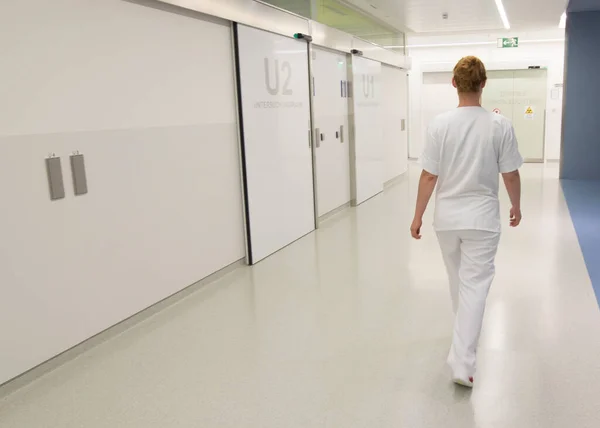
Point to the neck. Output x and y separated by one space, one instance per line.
469 99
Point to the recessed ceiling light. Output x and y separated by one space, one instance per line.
502 13
563 20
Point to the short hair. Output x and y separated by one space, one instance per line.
469 74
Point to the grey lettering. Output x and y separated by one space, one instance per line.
272 90
286 68
368 85
286 86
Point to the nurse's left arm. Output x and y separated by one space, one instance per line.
427 184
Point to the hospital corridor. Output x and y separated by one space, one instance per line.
299 214
350 327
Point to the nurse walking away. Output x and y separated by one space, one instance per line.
465 152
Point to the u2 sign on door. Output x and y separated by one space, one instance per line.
497 111
275 87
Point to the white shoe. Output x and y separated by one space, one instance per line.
463 381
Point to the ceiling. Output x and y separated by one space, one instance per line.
384 21
425 16
345 17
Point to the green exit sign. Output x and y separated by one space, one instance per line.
508 42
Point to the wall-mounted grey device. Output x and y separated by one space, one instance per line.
300 36
55 178
78 173
356 52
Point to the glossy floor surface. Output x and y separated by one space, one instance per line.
583 200
350 328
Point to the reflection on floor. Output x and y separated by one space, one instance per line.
349 328
583 199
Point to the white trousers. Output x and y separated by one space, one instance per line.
469 257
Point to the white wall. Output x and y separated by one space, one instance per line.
443 58
148 98
395 109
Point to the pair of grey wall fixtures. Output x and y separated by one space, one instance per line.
55 177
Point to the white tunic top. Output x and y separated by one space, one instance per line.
467 149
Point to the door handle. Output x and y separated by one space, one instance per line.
317 138
342 134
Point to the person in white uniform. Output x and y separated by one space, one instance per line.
466 151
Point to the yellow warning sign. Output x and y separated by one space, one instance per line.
529 113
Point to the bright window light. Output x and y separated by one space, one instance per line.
563 20
502 13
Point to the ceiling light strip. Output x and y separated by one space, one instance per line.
444 45
502 13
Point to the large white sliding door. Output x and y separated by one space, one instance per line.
276 149
332 142
395 111
369 151
529 116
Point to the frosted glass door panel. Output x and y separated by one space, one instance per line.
369 149
330 104
276 140
520 95
529 113
498 94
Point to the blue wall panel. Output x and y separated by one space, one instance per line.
581 120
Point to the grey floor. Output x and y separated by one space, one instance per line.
349 328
